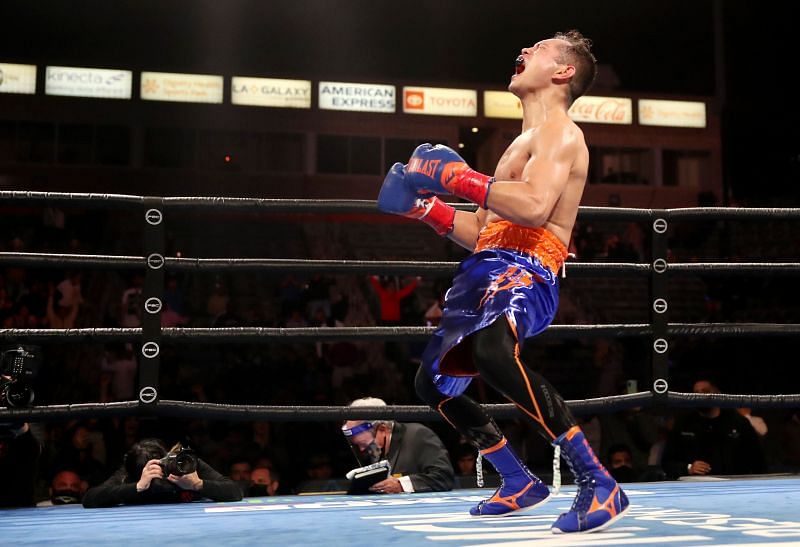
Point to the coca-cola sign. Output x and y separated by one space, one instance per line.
614 110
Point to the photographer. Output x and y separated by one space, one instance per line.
19 456
150 474
19 449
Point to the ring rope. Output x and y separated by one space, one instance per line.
364 206
388 267
294 413
331 334
183 409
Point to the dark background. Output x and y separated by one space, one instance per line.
653 47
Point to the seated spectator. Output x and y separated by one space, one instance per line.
240 474
758 423
82 452
418 459
240 471
465 456
712 441
141 479
66 488
620 464
264 482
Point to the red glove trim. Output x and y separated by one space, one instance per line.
440 217
464 182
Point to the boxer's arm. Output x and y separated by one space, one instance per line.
466 227
531 200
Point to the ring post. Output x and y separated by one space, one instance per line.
152 301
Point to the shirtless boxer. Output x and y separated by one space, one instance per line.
507 290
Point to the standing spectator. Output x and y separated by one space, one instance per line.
58 316
119 363
174 296
131 315
70 289
317 295
390 295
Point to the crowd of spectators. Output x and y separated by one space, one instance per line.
270 457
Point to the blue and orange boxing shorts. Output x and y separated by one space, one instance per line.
513 273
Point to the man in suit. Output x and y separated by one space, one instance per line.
418 459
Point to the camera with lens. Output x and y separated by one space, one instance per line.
19 366
179 461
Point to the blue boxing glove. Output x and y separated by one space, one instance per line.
440 169
398 198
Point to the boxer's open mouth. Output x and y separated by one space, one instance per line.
519 65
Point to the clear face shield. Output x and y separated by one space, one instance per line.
361 439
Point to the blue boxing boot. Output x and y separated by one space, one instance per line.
520 490
600 501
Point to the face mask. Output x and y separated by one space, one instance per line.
369 454
258 490
64 497
624 474
372 454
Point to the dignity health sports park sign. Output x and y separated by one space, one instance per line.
271 92
357 97
185 88
672 113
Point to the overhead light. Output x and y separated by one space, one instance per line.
474 129
461 145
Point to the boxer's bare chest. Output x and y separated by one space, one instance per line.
512 163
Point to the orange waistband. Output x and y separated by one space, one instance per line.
538 242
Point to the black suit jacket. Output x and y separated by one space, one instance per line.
418 452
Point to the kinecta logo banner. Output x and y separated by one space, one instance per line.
17 78
88 82
357 97
271 92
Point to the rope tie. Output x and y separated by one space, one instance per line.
564 265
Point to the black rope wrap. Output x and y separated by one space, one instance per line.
368 206
279 266
250 335
183 409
